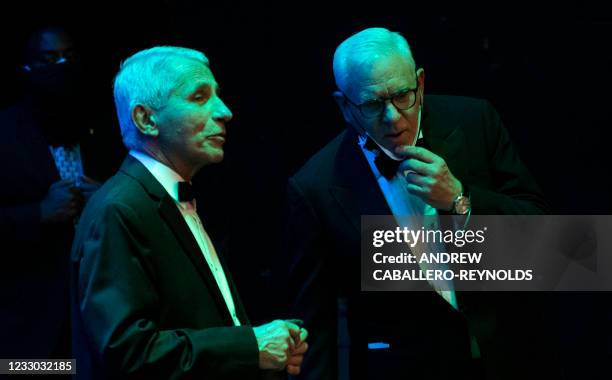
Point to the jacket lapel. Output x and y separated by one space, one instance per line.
240 310
355 188
175 221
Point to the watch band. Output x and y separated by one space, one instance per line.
461 203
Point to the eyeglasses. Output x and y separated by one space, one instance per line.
403 100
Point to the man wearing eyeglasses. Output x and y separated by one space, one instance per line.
403 153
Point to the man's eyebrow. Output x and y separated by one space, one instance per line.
205 85
200 87
403 90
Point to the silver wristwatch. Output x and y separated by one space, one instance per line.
461 203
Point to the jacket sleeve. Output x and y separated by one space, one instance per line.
514 190
118 307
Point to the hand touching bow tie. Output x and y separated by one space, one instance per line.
428 177
387 166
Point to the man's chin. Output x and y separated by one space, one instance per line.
210 157
393 144
216 156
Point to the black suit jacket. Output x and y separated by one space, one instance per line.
428 338
34 276
145 304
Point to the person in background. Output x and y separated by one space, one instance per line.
53 155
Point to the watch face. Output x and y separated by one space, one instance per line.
463 205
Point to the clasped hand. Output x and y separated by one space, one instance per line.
282 345
65 200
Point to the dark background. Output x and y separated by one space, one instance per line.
547 71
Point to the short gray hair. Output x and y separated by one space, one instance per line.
148 78
362 47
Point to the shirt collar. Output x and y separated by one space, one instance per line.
167 177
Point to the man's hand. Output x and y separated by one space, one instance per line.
429 177
88 186
296 356
62 203
280 341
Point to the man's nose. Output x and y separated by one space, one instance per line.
222 112
390 112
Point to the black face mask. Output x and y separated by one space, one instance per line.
56 93
54 83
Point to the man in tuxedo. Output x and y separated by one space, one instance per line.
53 156
151 295
405 153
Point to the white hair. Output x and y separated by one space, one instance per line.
363 47
148 78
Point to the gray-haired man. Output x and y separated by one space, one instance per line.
152 297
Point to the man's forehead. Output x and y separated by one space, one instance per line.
194 74
381 75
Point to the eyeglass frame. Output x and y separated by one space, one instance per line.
383 101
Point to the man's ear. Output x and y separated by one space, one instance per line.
346 112
421 80
144 120
343 104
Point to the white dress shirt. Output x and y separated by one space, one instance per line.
169 179
411 212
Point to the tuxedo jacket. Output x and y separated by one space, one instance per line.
145 303
34 275
428 338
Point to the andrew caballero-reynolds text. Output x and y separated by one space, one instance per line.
433 266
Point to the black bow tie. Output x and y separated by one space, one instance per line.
385 164
185 192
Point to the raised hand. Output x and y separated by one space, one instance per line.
429 177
